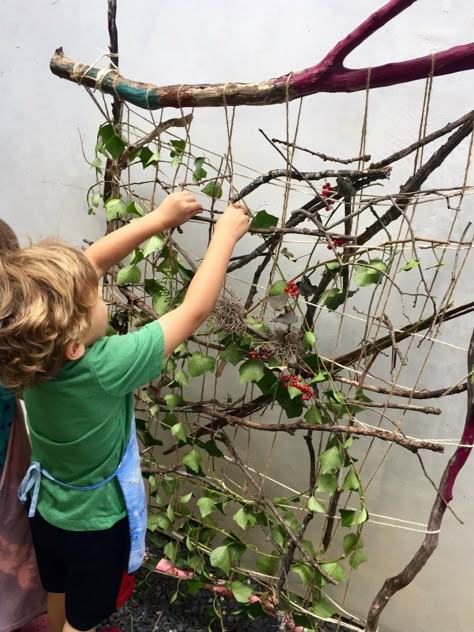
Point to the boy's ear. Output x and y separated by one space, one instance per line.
74 350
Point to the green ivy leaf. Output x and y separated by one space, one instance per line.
160 301
206 506
97 163
96 200
414 263
251 371
304 572
315 505
309 339
350 517
178 147
192 460
331 460
199 172
313 415
351 542
179 432
153 244
262 219
351 482
112 144
232 353
172 400
327 484
366 276
242 592
199 364
171 550
335 570
115 209
129 275
293 392
324 608
268 565
277 288
160 520
278 536
332 298
181 377
357 558
221 558
244 518
213 189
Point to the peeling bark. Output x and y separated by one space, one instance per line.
329 75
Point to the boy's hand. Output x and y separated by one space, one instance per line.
233 223
178 208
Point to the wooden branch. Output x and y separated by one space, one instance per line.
407 191
325 157
398 155
414 183
375 174
156 132
411 394
386 341
309 515
410 444
329 75
445 494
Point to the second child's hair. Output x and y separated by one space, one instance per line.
8 240
47 292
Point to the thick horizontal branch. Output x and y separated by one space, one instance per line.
401 392
386 341
410 444
329 75
288 87
375 174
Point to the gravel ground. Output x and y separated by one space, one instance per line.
149 610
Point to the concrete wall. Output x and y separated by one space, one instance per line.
44 179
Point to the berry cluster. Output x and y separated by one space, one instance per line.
297 382
292 289
338 241
262 353
327 189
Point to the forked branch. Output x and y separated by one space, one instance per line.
329 75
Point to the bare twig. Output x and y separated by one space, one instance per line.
325 157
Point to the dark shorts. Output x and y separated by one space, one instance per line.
88 566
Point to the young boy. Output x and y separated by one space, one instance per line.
86 491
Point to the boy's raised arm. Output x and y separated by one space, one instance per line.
207 283
176 209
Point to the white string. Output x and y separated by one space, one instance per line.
370 519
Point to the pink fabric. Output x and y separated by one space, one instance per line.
21 595
40 624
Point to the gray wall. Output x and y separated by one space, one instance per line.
44 179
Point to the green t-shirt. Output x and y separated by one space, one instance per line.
79 424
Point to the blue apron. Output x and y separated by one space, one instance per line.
129 477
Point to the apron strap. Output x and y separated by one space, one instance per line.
32 480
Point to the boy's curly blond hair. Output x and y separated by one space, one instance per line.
47 292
